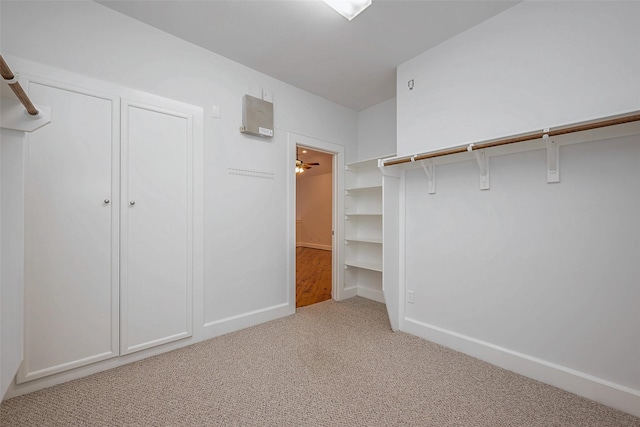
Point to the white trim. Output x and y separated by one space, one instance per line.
338 152
211 330
314 246
606 392
33 375
372 294
12 181
349 292
392 287
402 248
245 320
83 371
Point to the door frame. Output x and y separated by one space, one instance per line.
338 152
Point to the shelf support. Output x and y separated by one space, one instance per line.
553 158
430 171
13 116
483 164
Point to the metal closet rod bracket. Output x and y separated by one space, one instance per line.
483 164
553 158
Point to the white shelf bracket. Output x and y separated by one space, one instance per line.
429 170
483 164
13 116
553 158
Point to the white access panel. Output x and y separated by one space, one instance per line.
71 232
156 249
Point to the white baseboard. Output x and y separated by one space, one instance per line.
349 292
314 246
371 294
83 371
606 392
208 331
235 323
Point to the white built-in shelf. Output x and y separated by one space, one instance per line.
363 229
367 164
374 266
369 188
364 240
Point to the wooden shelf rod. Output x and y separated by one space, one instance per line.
519 138
13 83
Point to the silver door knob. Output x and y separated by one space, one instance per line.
133 202
106 201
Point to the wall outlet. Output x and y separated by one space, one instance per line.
410 297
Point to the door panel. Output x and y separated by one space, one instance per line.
156 275
71 223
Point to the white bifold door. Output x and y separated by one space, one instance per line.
108 224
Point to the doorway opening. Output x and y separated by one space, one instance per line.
314 226
302 235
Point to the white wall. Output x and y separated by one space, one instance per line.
539 278
314 209
536 65
11 253
244 254
377 130
4 382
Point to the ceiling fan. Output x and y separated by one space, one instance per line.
302 166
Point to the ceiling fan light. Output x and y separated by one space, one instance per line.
348 8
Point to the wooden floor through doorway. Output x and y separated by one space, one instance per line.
313 276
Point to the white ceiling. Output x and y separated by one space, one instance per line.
309 45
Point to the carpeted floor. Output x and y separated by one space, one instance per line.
332 364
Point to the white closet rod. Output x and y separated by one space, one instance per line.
578 127
12 81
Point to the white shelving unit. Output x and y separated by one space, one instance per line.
363 229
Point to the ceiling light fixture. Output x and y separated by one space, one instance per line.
348 8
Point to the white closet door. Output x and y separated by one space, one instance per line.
71 232
156 274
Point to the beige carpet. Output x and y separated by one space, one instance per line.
332 364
